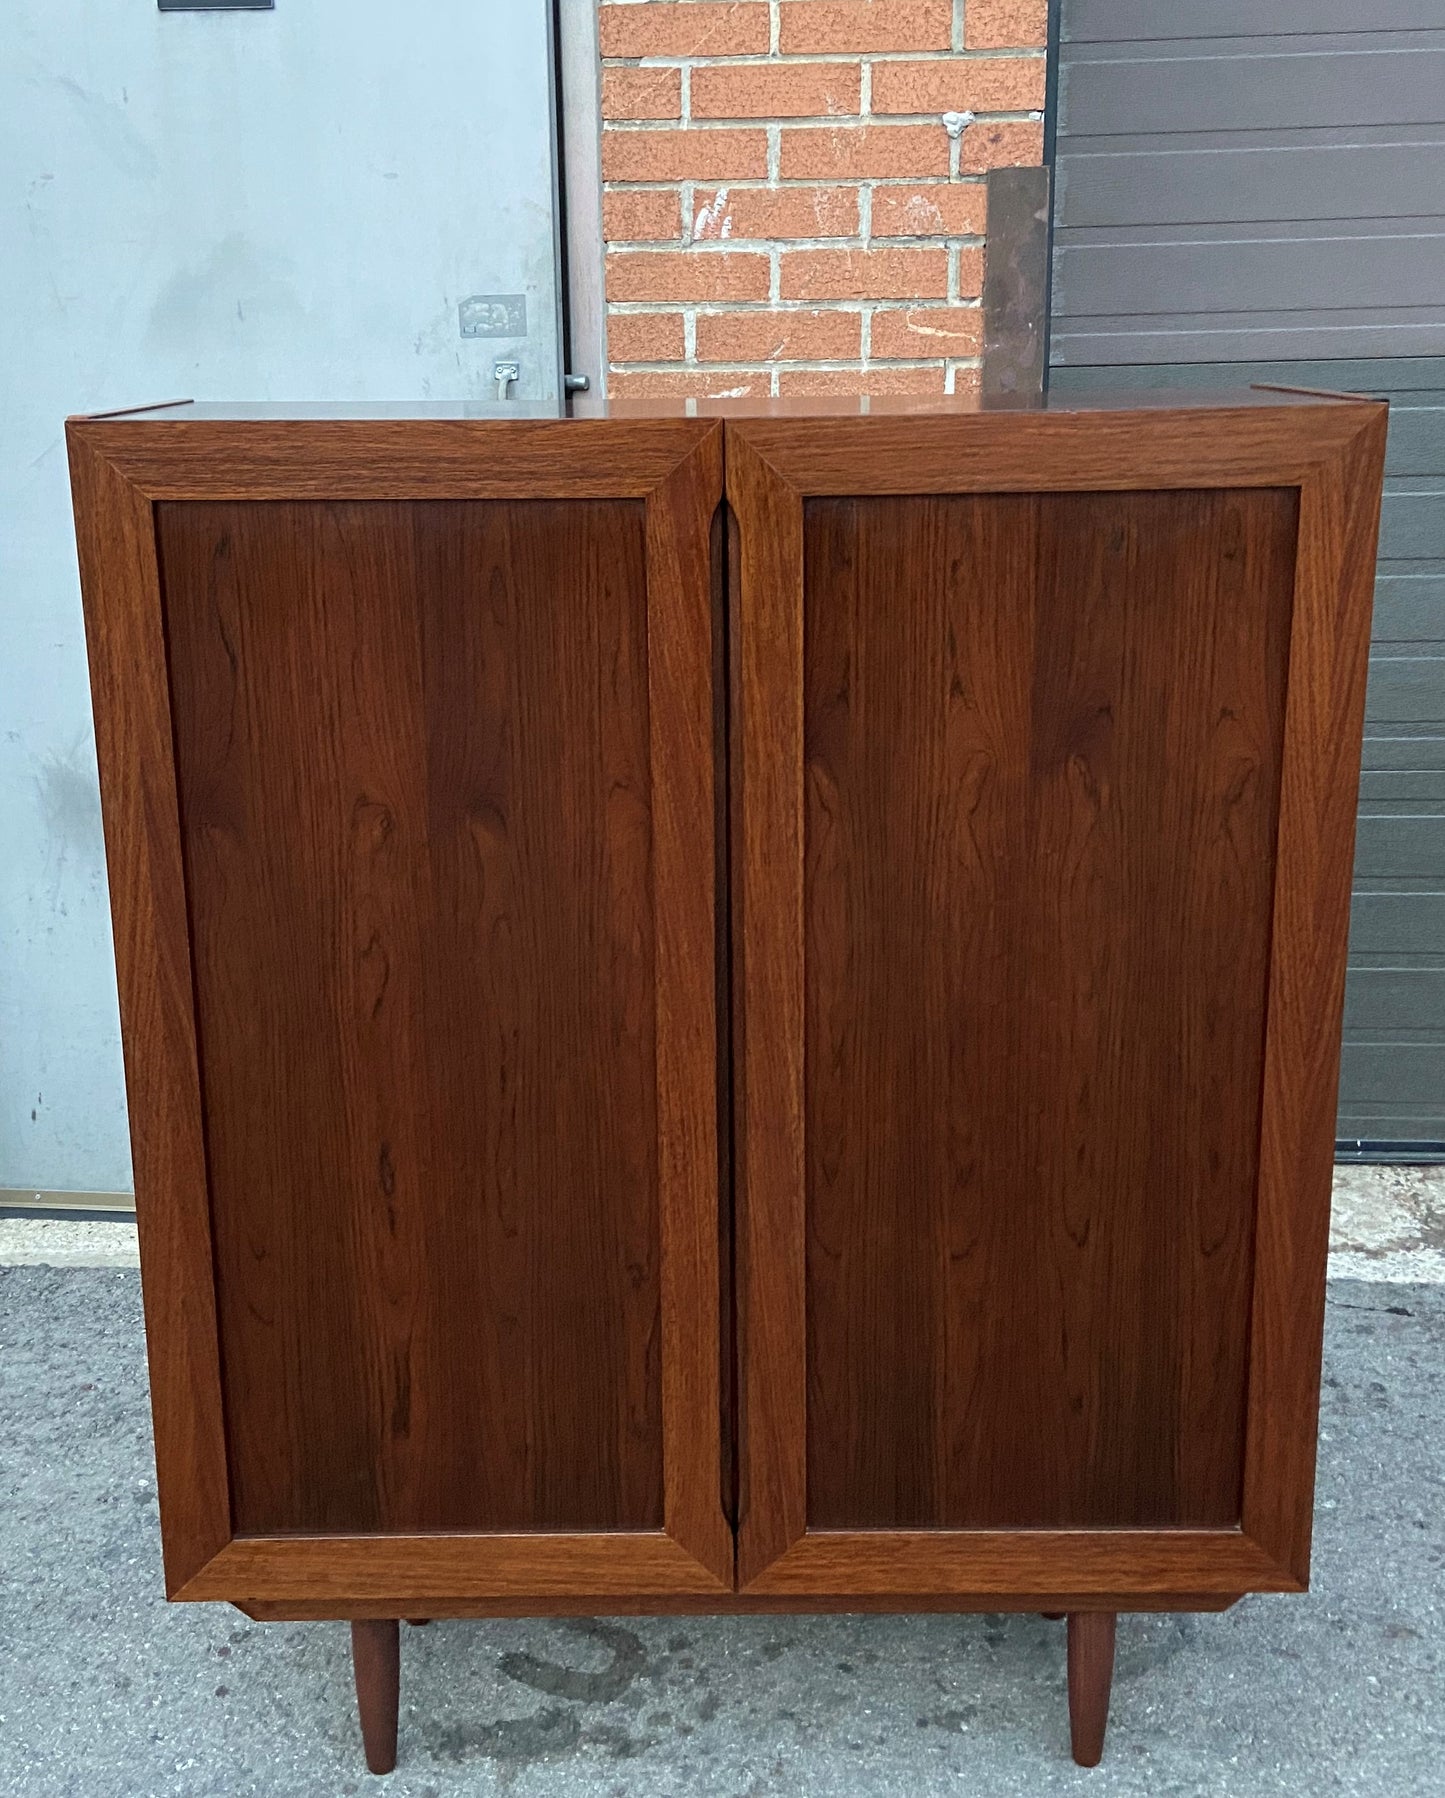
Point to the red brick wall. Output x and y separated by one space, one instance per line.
784 207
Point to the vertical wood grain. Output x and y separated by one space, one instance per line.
680 583
126 647
1329 660
414 765
767 984
1042 759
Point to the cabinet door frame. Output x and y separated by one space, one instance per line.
1332 451
120 468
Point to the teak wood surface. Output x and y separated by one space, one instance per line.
406 737
1032 1210
980 668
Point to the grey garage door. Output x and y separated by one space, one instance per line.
1249 192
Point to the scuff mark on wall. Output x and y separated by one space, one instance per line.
68 794
106 123
233 278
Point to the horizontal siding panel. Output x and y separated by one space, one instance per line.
1243 272
1403 1077
1417 435
1123 21
1409 608
1412 521
1109 341
1166 186
1247 89
1406 1127
1406 689
1390 847
1370 1124
1397 924
1390 999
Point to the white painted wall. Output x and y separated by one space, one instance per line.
285 205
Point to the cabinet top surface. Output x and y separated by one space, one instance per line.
822 406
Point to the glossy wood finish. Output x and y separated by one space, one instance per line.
1041 766
115 537
1091 1676
365 1544
1319 790
376 1666
1020 772
412 742
378 812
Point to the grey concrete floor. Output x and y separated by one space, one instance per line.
105 1692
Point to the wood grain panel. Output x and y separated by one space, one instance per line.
115 535
1090 1564
415 802
327 459
1329 653
1043 738
766 753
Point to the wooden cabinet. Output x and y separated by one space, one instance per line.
730 1014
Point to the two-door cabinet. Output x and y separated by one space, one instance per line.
732 1013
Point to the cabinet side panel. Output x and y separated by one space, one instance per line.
1043 741
412 742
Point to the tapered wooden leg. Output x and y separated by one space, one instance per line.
1091 1673
376 1660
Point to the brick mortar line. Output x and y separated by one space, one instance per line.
757 246
821 365
726 308
760 184
957 240
760 59
812 121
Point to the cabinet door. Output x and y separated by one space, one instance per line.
1045 751
407 737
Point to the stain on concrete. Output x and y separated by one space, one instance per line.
583 1685
554 1730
